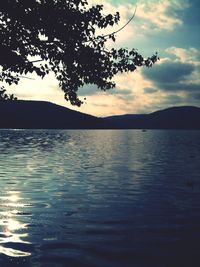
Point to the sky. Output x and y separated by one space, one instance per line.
169 27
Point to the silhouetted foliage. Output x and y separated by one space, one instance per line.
60 36
5 96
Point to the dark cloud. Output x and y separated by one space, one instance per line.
120 92
168 72
123 94
166 102
187 87
88 90
91 89
196 96
190 99
150 90
173 99
172 77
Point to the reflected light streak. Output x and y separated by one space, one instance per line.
13 252
9 226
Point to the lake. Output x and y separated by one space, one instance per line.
99 198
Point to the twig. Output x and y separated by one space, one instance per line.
39 60
123 25
107 35
24 77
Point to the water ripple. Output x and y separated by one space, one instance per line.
99 198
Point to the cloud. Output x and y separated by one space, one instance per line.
168 72
190 55
150 90
186 87
160 15
92 89
88 89
173 99
195 97
116 91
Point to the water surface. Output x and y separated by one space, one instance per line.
99 198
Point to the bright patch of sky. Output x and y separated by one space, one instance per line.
169 27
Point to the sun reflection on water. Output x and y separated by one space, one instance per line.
12 230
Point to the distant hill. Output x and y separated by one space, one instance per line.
185 117
40 114
44 115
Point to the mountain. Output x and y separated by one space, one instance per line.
40 114
45 115
185 117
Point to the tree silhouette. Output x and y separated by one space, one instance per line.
61 36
